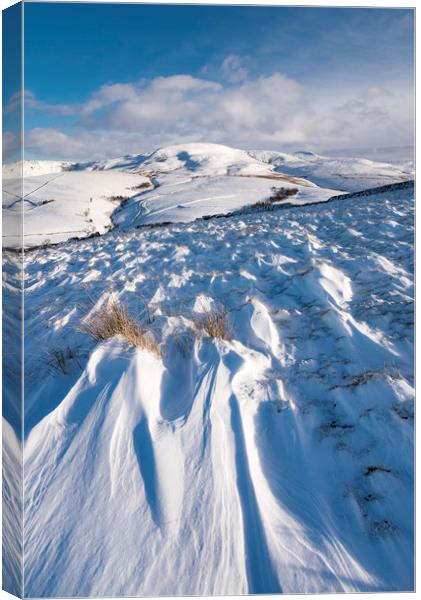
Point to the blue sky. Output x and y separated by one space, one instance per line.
109 43
139 76
11 80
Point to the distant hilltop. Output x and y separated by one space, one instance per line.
345 173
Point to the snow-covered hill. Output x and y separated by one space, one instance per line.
196 180
206 160
280 459
33 168
346 174
174 184
64 205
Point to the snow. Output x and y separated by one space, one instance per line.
197 180
349 174
29 168
280 460
184 200
11 510
178 183
59 206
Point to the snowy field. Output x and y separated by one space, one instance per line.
175 184
276 459
349 173
59 206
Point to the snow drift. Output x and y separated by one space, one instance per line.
277 461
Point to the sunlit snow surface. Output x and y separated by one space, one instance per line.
347 173
64 205
281 460
178 183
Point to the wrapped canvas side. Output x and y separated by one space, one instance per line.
12 282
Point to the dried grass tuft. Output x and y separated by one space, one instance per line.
214 322
114 319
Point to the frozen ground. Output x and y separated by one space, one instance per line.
174 184
281 460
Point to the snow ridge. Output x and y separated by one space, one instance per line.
279 460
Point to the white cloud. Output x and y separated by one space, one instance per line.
82 145
270 111
11 145
376 116
14 104
160 103
232 69
31 102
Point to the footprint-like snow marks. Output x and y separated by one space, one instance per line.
293 441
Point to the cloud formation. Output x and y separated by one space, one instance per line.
272 111
232 69
11 146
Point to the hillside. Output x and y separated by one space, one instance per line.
349 174
278 459
174 184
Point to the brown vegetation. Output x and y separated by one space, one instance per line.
119 198
214 322
280 194
142 186
112 320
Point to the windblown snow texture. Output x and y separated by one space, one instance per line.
278 461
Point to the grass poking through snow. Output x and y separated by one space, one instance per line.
214 321
113 319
